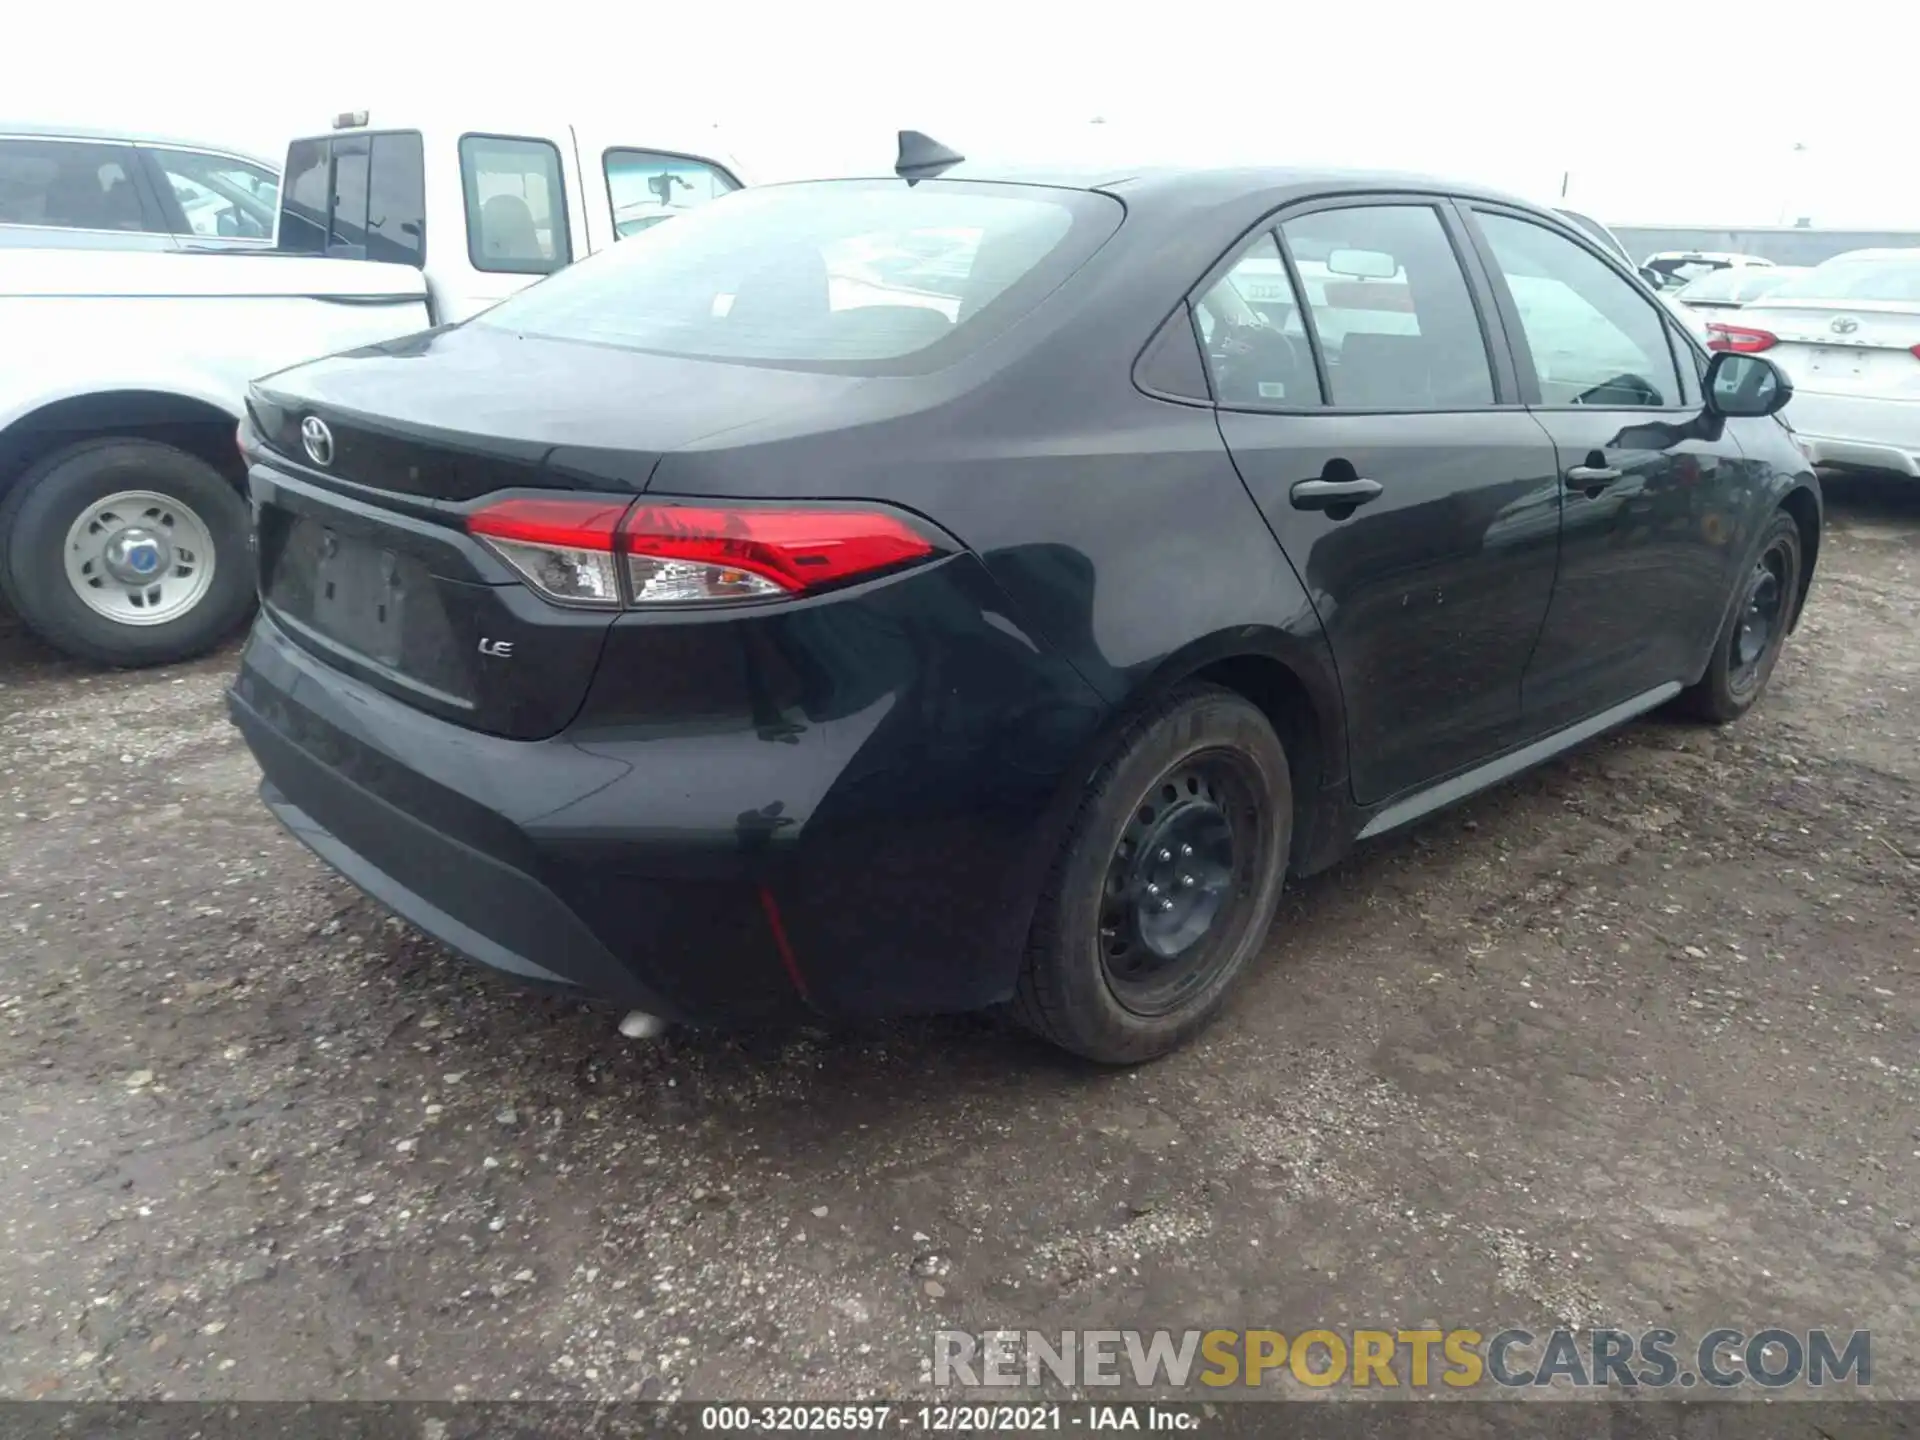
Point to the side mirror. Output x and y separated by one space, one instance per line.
1745 385
1652 276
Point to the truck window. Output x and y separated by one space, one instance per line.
645 187
397 200
306 193
516 205
69 184
347 234
361 196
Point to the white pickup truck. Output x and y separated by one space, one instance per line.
123 515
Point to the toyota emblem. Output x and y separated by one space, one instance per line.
1845 325
317 439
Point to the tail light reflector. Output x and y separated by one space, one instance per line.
611 552
1740 339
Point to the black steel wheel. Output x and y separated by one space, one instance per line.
1756 628
1167 881
1176 879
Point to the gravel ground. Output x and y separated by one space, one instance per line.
1629 1041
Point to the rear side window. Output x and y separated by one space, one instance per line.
516 205
1251 333
1595 340
70 184
359 196
1391 309
862 277
645 187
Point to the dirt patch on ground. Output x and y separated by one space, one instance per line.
1630 1041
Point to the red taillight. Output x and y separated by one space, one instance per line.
563 547
687 552
1740 339
1916 352
603 551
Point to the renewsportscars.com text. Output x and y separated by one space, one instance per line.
1418 1359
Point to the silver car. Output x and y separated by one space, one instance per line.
1847 334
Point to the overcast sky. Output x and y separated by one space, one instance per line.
1738 112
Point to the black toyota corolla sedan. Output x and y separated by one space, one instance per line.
944 591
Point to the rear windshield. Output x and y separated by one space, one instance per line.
1714 285
1680 269
1845 278
868 277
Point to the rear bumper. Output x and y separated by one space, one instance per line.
1857 430
879 856
445 846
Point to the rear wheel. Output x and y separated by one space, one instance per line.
126 552
1749 644
1166 884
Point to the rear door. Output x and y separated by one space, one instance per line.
1649 492
1379 431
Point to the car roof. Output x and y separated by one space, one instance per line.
1180 184
1882 252
24 128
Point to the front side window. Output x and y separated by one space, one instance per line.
849 276
1391 309
220 195
516 205
1595 340
69 184
1251 333
645 188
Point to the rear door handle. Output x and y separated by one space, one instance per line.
1329 494
1582 476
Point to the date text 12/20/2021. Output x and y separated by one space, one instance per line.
947 1419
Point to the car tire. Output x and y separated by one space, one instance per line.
1202 780
194 527
1749 644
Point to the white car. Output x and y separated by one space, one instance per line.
1847 334
123 511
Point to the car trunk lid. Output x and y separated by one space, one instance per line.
371 465
1841 347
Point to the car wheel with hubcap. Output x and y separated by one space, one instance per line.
1755 631
126 552
1166 884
